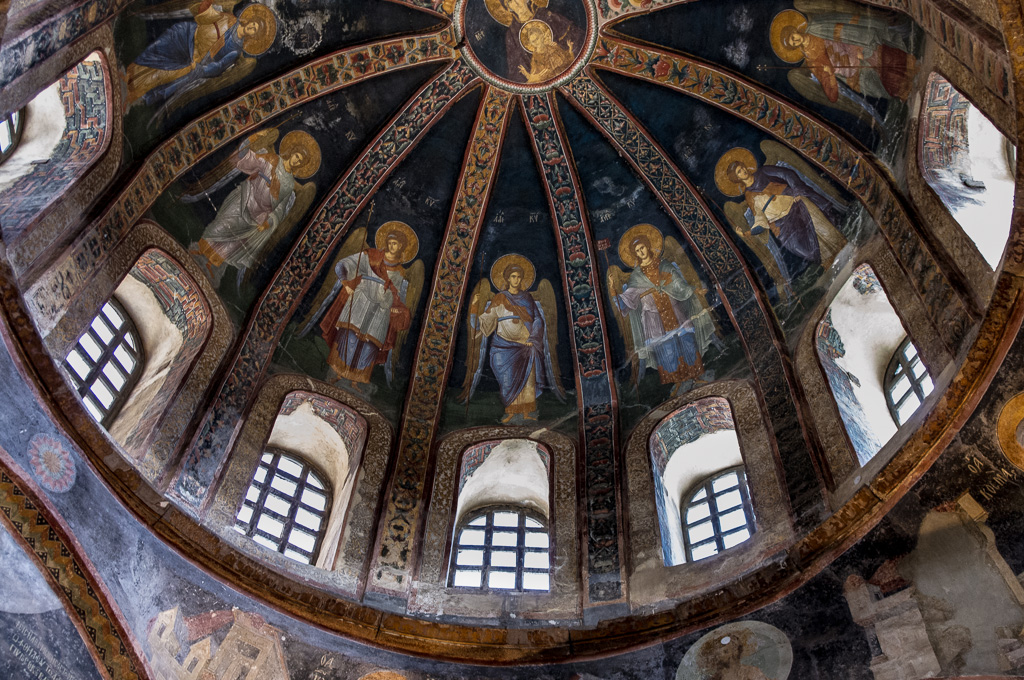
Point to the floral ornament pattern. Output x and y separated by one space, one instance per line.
52 464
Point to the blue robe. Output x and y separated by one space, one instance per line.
174 50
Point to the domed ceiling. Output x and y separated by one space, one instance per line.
367 185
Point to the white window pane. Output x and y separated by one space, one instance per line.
125 358
725 482
105 396
302 540
240 529
470 558
102 330
728 500
245 514
297 556
536 540
471 537
910 351
697 513
5 136
926 385
706 550
701 532
535 581
78 362
503 558
113 315
504 538
699 496
470 579
736 538
278 505
506 519
267 457
479 521
533 524
90 346
252 494
283 485
501 580
260 475
308 519
733 520
314 500
901 387
115 375
908 408
289 466
16 118
270 525
265 541
537 560
314 481
94 410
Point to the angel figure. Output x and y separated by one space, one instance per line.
365 317
514 323
849 52
661 307
261 208
787 207
210 50
516 15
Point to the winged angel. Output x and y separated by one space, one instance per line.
209 50
849 52
661 307
787 208
262 208
365 306
512 326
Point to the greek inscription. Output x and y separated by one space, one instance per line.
994 477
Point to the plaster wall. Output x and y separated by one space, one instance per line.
44 127
513 474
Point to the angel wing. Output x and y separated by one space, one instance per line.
804 82
355 242
304 195
545 297
414 276
204 86
735 212
779 154
482 294
617 279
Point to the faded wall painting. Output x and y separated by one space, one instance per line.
743 650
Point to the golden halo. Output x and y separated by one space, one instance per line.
528 24
500 13
383 675
261 42
299 140
626 251
263 140
725 183
504 262
787 17
412 242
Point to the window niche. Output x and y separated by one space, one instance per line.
501 528
856 342
969 164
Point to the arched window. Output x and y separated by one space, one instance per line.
106 362
718 514
502 549
10 133
907 382
285 508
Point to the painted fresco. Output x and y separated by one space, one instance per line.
794 226
512 355
180 56
852 65
240 212
357 324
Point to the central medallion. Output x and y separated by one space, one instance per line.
526 45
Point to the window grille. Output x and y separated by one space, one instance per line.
907 382
106 362
502 549
285 507
718 516
11 128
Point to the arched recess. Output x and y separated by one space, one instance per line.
71 149
169 289
845 470
969 164
454 473
288 409
651 582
